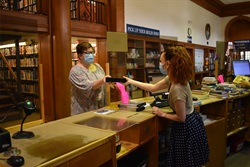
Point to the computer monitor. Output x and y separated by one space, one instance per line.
153 76
241 67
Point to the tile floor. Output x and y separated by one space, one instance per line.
240 159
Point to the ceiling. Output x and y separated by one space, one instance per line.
233 1
224 8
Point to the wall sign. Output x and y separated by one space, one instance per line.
132 29
189 39
242 44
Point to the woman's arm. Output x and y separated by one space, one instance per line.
147 86
180 110
98 83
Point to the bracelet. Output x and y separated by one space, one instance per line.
164 115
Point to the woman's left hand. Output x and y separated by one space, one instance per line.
158 112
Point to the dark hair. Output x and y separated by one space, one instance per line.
83 46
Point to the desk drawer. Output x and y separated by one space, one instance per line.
147 129
95 157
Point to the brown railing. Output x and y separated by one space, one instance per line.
88 10
92 11
29 6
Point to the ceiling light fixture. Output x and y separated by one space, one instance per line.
12 45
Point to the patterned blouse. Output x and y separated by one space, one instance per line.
83 97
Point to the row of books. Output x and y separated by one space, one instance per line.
33 49
25 62
32 89
22 5
7 75
31 75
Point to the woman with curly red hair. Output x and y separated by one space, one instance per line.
189 145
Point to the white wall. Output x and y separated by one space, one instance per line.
174 17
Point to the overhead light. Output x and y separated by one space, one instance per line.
12 45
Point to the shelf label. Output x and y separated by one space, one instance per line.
132 29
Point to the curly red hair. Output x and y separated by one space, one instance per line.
180 68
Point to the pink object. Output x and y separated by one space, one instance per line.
123 92
121 122
220 79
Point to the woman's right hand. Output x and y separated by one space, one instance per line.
128 80
104 78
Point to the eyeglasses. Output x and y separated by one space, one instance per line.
89 52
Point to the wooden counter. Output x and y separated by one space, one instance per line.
66 142
58 143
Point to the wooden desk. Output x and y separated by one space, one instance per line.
57 143
65 143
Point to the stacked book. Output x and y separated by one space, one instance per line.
219 93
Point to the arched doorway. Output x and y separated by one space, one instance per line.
238 30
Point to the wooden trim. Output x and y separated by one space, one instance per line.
19 21
222 10
116 15
41 91
45 58
236 9
25 125
213 6
61 51
87 30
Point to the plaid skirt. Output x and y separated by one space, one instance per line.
189 145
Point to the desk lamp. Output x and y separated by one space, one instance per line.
28 107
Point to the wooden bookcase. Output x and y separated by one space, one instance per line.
206 65
24 63
144 52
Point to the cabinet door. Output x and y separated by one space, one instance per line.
95 157
216 136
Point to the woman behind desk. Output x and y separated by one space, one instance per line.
189 146
87 79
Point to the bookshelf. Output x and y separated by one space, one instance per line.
24 63
135 65
144 53
73 53
152 54
29 6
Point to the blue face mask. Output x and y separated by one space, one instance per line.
89 58
164 72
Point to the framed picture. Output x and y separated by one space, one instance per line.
207 31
